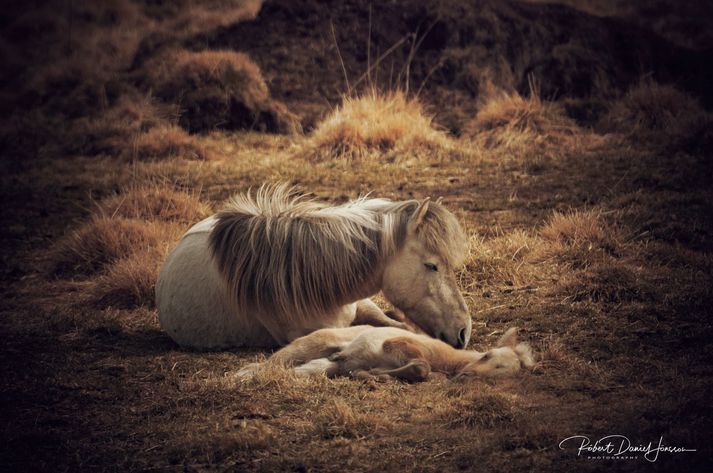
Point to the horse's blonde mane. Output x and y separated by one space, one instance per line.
291 258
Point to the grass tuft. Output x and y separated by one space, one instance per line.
516 123
129 282
580 238
373 125
100 242
657 112
155 202
167 141
118 126
506 260
217 89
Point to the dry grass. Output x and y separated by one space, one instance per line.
506 260
164 142
129 282
511 121
376 126
614 295
125 242
192 18
580 238
207 447
528 131
121 124
339 419
656 113
609 282
217 89
478 406
100 242
155 202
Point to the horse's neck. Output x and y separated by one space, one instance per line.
447 359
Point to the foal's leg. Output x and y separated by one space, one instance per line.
319 344
318 366
408 353
368 313
413 371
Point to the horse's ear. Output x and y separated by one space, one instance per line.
417 217
509 338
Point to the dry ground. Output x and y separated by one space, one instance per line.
595 241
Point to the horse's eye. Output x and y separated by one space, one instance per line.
431 266
485 357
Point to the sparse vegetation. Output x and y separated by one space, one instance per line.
595 242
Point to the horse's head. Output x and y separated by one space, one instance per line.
420 278
507 359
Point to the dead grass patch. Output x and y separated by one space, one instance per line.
129 282
511 121
167 141
483 407
196 18
609 282
655 112
155 202
112 131
211 448
506 260
100 242
375 125
338 419
217 89
580 238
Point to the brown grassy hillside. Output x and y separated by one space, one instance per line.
574 144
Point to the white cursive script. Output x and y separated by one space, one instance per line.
618 445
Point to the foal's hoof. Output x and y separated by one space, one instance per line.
336 356
436 377
248 371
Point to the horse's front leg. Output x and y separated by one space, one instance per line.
368 313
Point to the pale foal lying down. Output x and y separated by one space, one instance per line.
366 351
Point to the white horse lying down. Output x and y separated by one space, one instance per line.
365 351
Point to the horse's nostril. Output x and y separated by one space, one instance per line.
461 338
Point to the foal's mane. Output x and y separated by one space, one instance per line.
290 258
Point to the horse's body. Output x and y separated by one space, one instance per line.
367 351
274 267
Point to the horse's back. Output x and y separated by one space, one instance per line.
192 300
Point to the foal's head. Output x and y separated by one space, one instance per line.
420 278
508 358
